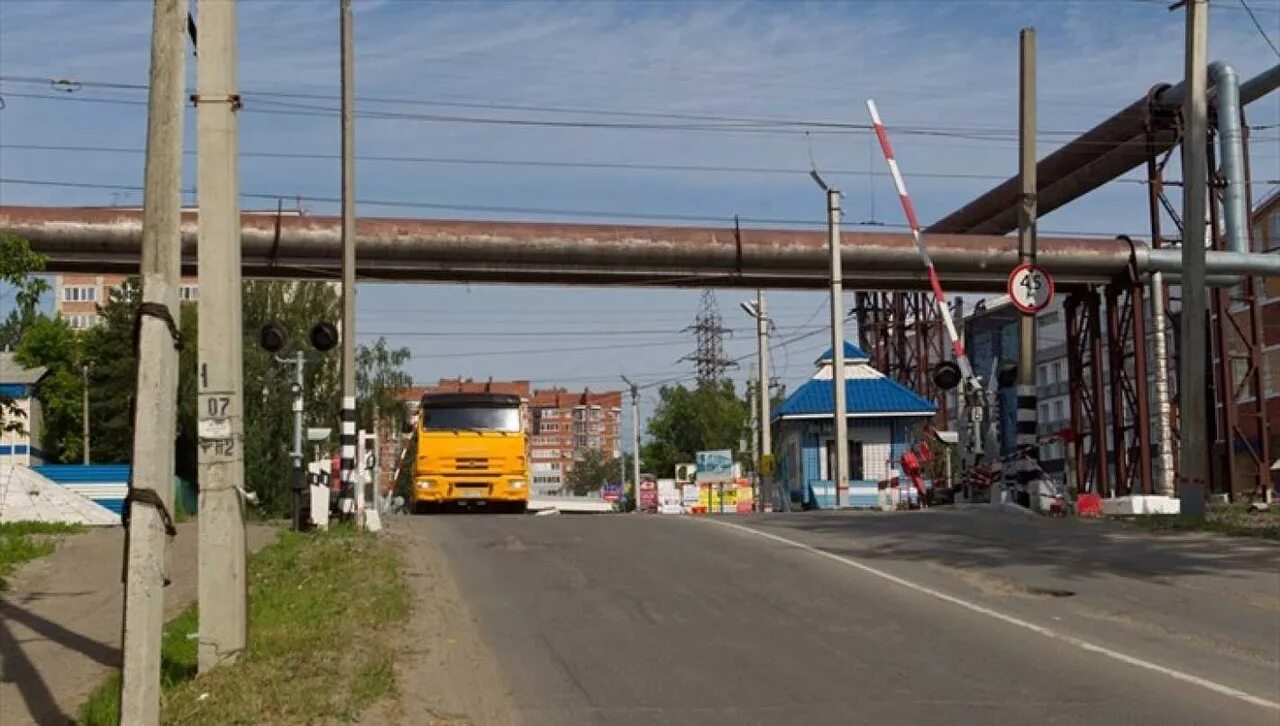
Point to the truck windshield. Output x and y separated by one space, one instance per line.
471 419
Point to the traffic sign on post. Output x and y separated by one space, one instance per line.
1030 288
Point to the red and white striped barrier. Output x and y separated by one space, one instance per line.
909 209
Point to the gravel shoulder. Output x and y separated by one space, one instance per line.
445 672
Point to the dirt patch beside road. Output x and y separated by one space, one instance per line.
60 620
445 673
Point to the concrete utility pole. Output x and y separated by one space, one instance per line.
764 443
84 413
1027 423
635 440
223 586
1194 466
841 439
753 442
348 254
155 413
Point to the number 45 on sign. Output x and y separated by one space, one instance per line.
1030 288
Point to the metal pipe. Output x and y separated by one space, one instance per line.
108 240
1165 478
1096 157
1235 204
1217 264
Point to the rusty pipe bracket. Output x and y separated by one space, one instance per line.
234 99
1131 269
737 240
275 237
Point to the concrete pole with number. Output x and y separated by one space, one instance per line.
223 585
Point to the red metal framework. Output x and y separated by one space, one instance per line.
1158 204
1242 446
904 338
1088 392
872 314
1128 378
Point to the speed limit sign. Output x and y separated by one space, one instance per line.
1030 288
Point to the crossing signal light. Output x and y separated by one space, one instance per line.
273 337
1007 374
324 336
946 375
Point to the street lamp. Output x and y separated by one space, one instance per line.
841 424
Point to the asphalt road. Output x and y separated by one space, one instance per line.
956 618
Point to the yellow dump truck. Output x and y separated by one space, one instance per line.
470 451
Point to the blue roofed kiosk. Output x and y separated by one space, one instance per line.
882 415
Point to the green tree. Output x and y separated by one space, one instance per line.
18 269
591 472
52 344
18 265
113 378
108 349
687 420
268 398
380 381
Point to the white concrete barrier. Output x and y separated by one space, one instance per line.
1136 505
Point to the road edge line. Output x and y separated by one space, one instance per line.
1025 624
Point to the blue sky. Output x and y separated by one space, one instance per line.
937 64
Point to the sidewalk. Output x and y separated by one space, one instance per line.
60 620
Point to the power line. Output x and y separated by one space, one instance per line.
547 351
1258 25
744 127
539 163
522 333
70 86
539 211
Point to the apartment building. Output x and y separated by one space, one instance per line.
77 297
566 423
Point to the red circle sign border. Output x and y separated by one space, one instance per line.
1014 299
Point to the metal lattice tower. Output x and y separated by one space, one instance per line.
709 360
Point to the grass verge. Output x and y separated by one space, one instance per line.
1233 520
322 607
25 541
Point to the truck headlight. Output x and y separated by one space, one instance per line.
516 484
424 484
